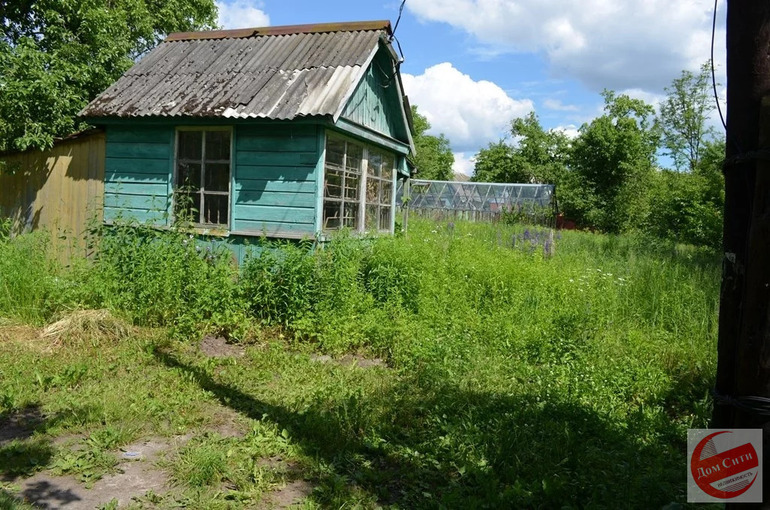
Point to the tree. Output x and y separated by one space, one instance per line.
434 158
537 155
611 165
496 163
683 116
56 55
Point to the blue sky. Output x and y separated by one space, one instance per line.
473 65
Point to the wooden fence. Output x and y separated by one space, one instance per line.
59 190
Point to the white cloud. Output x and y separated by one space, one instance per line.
616 44
241 14
650 98
470 113
557 105
464 163
570 130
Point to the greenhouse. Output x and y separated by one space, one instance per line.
476 200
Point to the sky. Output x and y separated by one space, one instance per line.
471 66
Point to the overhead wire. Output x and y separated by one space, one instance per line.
398 20
713 72
395 27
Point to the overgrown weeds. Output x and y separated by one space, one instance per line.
514 379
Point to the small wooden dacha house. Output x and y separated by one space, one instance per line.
287 132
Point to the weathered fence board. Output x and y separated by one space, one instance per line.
59 190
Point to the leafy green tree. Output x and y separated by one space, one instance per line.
434 158
56 55
496 163
612 165
688 207
537 155
683 117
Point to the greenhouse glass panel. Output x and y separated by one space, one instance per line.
475 196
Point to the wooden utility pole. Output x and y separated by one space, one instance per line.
744 318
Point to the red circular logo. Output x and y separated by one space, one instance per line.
725 474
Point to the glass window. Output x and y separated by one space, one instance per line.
202 180
346 184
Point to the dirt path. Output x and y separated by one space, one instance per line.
137 474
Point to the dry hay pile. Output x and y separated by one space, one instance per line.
89 325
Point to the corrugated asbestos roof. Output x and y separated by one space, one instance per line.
273 72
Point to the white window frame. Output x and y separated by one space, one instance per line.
363 177
203 161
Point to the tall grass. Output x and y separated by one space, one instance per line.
523 376
30 282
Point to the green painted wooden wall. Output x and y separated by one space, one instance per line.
138 166
376 103
275 180
273 177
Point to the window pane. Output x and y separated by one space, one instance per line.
188 176
332 215
333 186
190 145
335 152
387 166
217 145
187 206
354 157
215 209
370 221
350 218
387 192
351 187
375 163
385 218
217 177
372 190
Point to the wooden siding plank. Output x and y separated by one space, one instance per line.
137 166
123 215
277 143
136 134
136 202
275 173
138 188
150 179
276 159
274 186
277 214
138 150
274 199
289 130
256 228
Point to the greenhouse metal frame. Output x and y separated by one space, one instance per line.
476 200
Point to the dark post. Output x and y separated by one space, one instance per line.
744 334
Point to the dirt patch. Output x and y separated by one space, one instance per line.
293 493
228 423
136 475
360 361
20 424
218 347
279 464
349 360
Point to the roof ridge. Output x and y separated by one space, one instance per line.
313 28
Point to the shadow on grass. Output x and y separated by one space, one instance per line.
21 454
436 445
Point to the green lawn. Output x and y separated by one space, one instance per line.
510 379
